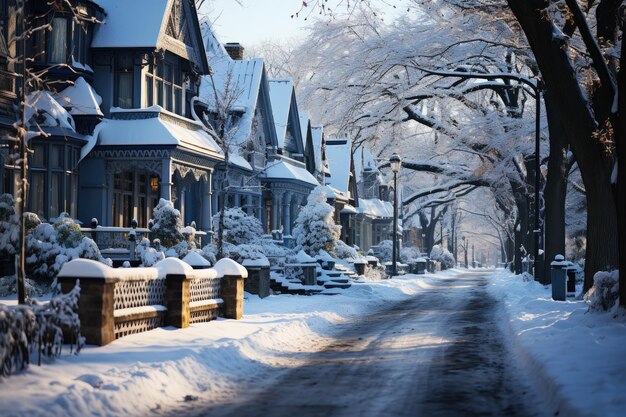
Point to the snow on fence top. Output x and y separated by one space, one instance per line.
228 267
86 268
304 258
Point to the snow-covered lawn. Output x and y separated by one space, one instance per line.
576 357
154 372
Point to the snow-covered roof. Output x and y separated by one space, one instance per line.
364 160
130 24
81 99
304 127
162 128
317 133
144 24
334 193
235 158
281 91
44 111
338 154
375 207
284 170
243 80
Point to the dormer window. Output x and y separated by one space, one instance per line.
67 42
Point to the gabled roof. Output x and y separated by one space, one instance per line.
304 127
339 154
364 160
144 24
317 133
281 95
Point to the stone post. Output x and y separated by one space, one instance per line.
232 287
258 281
95 307
177 296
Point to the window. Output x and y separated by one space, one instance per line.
164 86
81 42
53 179
58 41
124 81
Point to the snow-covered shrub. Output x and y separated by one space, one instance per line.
343 251
49 246
8 287
442 255
240 253
315 227
604 293
209 252
9 231
168 224
384 250
148 255
409 254
25 329
239 228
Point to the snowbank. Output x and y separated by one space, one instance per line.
577 356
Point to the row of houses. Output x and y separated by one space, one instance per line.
156 107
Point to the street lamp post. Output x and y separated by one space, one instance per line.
395 163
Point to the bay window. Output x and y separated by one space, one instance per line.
57 47
124 75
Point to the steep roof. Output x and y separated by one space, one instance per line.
281 92
304 127
364 160
317 134
338 154
130 24
242 80
153 24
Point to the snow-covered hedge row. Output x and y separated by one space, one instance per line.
27 330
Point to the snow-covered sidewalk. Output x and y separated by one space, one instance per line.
156 371
576 357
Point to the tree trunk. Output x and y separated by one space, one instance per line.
573 109
555 191
621 177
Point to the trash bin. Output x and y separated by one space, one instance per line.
558 276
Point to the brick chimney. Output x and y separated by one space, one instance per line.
235 50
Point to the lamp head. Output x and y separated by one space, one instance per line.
395 162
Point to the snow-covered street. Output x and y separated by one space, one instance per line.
440 353
435 344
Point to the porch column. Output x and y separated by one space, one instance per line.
287 214
276 197
206 204
249 208
166 179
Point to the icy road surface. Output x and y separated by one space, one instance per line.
439 353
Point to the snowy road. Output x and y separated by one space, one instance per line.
440 353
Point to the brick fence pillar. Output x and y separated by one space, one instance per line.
231 292
95 307
177 296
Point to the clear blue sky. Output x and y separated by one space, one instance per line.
256 21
